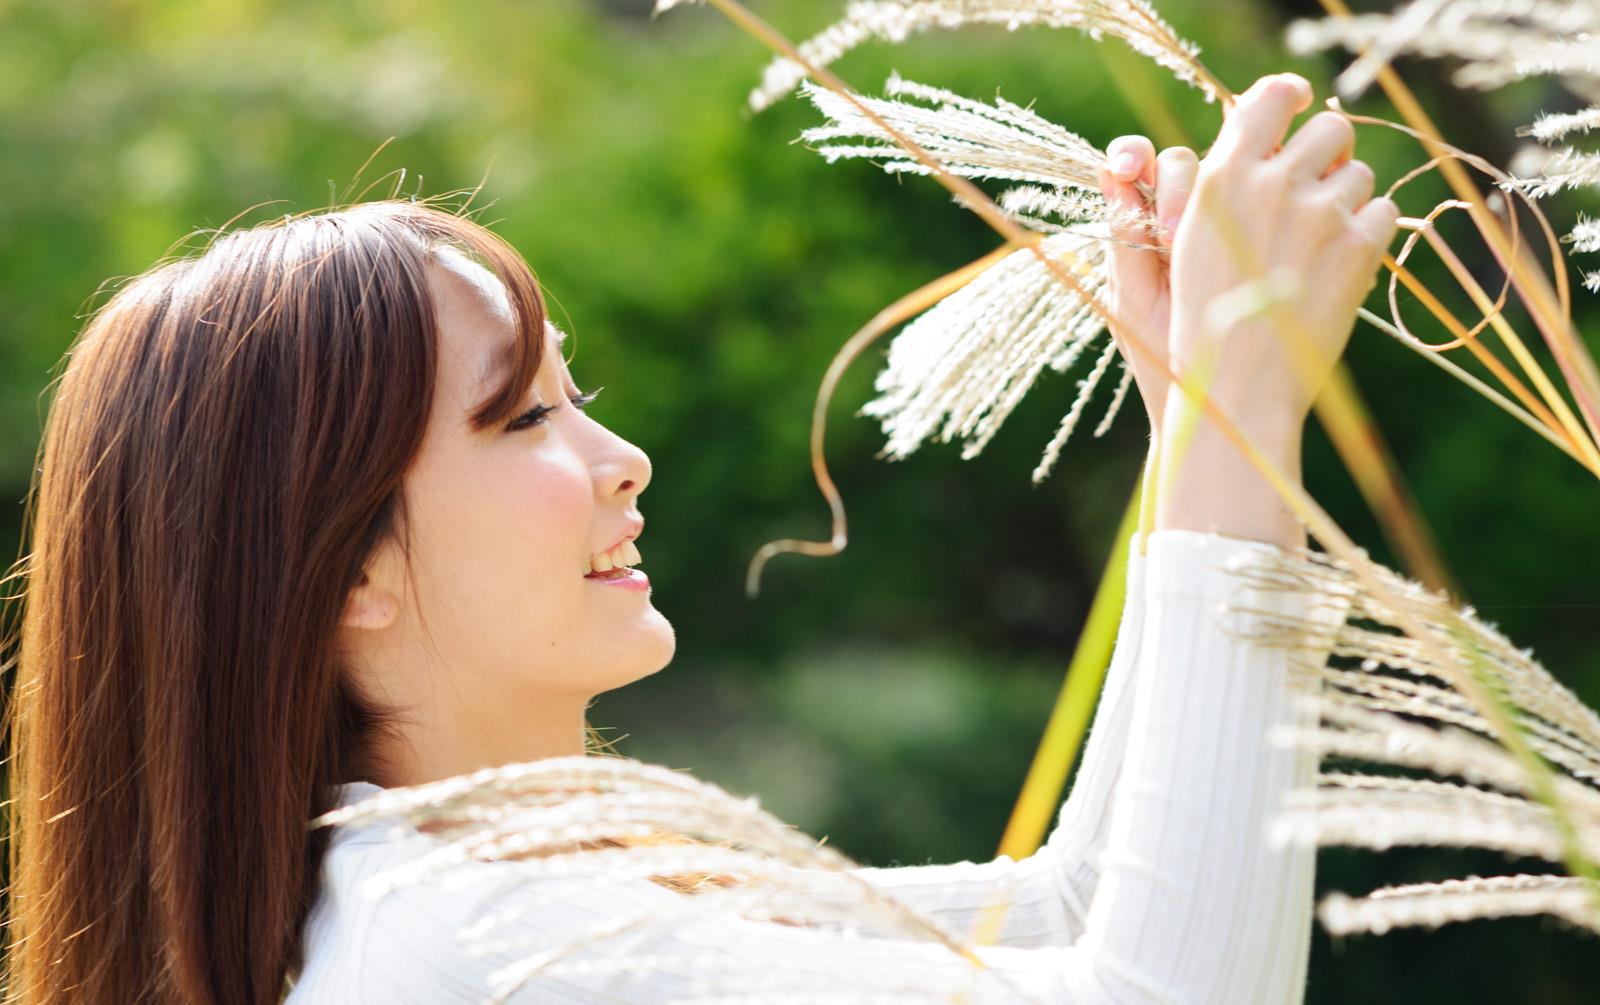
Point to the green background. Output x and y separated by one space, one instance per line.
891 698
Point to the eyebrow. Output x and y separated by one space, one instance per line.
497 360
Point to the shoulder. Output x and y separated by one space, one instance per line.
336 950
390 925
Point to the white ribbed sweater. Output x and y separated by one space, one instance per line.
1157 884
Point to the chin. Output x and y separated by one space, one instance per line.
666 646
647 653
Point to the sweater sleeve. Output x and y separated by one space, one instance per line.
1194 904
1046 895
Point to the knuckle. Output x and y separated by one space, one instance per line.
1361 184
1272 176
1214 167
1325 209
1211 185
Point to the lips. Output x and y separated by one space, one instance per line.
622 579
633 531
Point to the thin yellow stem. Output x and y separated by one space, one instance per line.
1483 355
1499 400
1549 308
902 310
1040 798
1378 478
1128 73
1041 790
1519 351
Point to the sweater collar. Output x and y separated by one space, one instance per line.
350 793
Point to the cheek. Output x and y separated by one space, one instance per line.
507 524
545 512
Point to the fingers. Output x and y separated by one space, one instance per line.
1133 263
1261 117
1131 158
1376 222
1176 168
1322 143
1349 185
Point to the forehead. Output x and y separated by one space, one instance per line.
477 320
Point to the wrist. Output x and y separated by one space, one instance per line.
1208 484
1269 421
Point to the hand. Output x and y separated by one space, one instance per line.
1291 222
1138 290
1290 226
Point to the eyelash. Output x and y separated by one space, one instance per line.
535 415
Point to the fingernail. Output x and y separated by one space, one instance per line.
1124 163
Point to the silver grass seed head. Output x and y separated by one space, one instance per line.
1389 703
1497 41
1550 127
1431 905
972 139
893 21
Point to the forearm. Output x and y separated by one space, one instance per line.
1195 902
1207 484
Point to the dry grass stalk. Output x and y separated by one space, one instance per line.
1346 422
559 829
1394 707
1497 42
1435 904
1133 21
970 138
959 369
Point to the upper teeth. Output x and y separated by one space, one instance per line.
624 555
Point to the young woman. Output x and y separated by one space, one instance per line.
319 513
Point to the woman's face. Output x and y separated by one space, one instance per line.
496 626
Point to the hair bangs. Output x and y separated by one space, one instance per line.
522 292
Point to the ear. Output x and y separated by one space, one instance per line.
374 602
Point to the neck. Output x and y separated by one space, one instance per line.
419 751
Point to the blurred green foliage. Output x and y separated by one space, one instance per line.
890 698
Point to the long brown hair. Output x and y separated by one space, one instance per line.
224 450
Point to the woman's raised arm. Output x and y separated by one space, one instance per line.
1266 215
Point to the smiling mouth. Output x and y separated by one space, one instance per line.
619 573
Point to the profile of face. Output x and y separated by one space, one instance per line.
482 630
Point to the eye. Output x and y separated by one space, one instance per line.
536 415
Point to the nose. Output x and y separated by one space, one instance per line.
625 470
